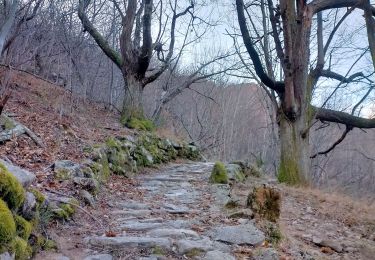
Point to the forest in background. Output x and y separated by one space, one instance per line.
229 121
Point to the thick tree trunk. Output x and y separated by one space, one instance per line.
295 156
132 104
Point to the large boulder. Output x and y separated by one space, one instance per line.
65 170
25 177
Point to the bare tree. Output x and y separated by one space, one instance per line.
137 46
292 30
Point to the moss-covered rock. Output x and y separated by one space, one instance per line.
7 224
65 210
40 198
190 152
11 191
235 172
139 124
23 227
265 202
21 249
219 174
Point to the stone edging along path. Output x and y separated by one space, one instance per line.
179 216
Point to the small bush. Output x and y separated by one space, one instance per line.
219 174
265 201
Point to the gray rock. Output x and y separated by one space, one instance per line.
151 224
218 255
148 155
242 213
87 197
240 235
29 206
23 176
99 257
148 258
135 205
221 193
66 169
185 246
129 242
235 172
61 257
134 212
330 243
173 233
86 183
6 256
267 254
174 209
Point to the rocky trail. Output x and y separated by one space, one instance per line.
175 213
176 217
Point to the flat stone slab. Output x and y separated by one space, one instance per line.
144 225
135 205
23 176
218 255
185 246
246 234
136 213
99 257
174 209
173 233
129 242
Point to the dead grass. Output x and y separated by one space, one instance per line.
337 206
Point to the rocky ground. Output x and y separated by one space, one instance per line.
175 213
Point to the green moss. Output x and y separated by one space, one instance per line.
24 227
40 198
139 124
62 174
288 172
219 174
11 191
113 143
231 204
273 233
157 250
192 253
21 249
7 224
65 210
8 124
49 245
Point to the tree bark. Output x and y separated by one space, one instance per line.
7 25
132 103
294 150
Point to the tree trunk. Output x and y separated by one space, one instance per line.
132 106
294 144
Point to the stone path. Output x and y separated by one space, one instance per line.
179 216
